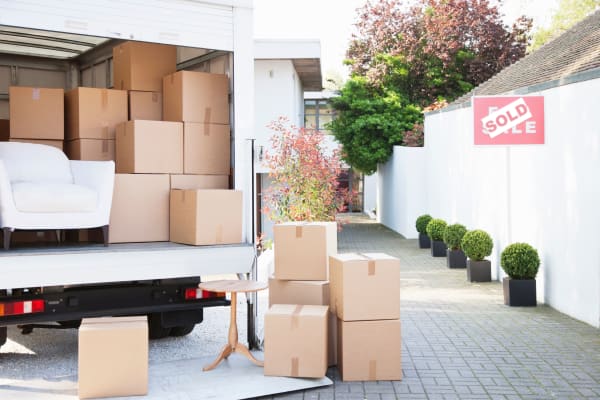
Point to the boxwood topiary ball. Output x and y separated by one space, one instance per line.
520 261
477 244
422 222
436 228
453 235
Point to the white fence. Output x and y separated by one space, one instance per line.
547 195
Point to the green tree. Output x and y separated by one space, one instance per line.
568 14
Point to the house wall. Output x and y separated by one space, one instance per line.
546 195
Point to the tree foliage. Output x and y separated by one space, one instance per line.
568 14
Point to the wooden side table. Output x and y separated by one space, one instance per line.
234 287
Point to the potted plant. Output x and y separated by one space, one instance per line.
421 225
521 262
452 237
477 245
435 231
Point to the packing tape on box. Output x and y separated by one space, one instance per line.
370 262
298 232
372 370
104 131
154 97
294 369
207 113
35 94
104 99
295 321
105 146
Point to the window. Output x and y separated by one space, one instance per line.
317 114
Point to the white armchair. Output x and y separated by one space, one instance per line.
41 189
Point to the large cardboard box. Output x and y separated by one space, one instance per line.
141 66
296 341
302 250
145 105
376 276
113 357
90 149
307 293
59 144
199 182
93 113
36 113
380 355
151 147
191 96
140 208
206 217
206 149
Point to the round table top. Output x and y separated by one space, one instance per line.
233 285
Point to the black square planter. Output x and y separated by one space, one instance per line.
456 259
519 292
424 241
438 248
479 271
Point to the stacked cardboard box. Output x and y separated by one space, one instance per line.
300 279
365 295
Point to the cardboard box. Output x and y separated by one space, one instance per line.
59 144
196 97
199 182
376 276
140 208
93 113
302 250
4 130
380 355
151 147
296 341
36 113
113 357
141 66
206 217
307 293
145 105
206 149
90 149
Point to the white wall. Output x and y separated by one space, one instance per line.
546 195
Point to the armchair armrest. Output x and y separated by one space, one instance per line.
97 175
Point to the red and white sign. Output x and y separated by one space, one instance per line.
508 120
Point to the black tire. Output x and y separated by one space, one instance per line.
3 335
155 328
182 330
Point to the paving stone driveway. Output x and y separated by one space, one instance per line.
459 341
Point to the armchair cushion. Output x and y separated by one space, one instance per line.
50 197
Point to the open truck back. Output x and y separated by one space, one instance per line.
52 43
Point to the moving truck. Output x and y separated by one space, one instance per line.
57 44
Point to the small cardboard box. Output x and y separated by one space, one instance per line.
93 113
113 357
145 105
59 144
141 66
199 182
376 276
380 355
36 113
307 293
149 147
91 149
302 250
206 149
191 96
206 217
140 208
296 341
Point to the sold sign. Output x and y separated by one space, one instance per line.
506 120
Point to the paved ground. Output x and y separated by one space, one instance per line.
459 341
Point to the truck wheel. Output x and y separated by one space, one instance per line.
155 328
182 330
3 335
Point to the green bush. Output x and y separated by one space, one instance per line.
520 261
422 222
453 235
435 229
477 244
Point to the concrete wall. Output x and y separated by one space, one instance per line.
546 195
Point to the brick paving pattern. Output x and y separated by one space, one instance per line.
459 341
